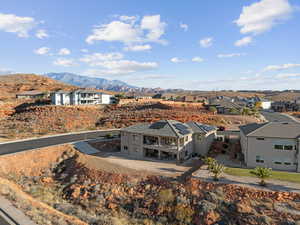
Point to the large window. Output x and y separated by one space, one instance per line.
259 159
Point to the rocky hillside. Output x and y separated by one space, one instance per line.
14 83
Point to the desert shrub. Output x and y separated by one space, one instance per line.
184 214
166 196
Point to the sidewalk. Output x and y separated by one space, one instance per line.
12 215
272 185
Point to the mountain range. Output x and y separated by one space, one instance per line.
91 82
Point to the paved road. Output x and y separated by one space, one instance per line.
3 221
277 117
19 146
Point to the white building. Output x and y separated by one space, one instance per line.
81 97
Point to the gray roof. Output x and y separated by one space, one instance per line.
167 128
249 128
272 130
201 128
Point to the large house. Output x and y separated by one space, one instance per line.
167 139
80 97
273 144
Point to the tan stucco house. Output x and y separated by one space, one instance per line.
274 145
167 140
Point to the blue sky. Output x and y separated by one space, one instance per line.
203 45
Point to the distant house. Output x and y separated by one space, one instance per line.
34 94
167 140
81 97
194 98
274 145
265 104
224 106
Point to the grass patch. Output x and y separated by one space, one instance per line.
276 175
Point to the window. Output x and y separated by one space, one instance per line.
135 138
278 147
125 147
259 159
277 162
199 137
260 139
288 147
186 138
181 141
287 163
284 147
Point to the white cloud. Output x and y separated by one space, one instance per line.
130 19
261 16
184 26
122 67
42 51
288 75
15 24
98 58
155 27
114 31
64 51
230 55
41 34
197 59
64 62
84 50
137 48
176 60
4 71
128 30
281 67
243 42
206 42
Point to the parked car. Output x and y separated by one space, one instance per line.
221 128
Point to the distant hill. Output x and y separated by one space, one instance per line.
91 82
11 84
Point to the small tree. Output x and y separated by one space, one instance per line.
246 111
209 161
217 169
262 173
212 109
258 105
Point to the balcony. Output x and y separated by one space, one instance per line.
159 143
